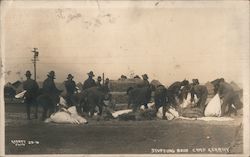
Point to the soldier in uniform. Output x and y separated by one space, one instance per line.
98 82
145 80
70 86
216 84
201 92
174 90
49 87
106 84
32 88
195 81
90 82
227 94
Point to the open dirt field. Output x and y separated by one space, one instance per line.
120 137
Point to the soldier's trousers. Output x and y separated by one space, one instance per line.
227 102
29 103
202 101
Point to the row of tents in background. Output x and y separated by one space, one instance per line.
117 88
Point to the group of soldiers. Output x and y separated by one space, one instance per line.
225 91
175 90
49 87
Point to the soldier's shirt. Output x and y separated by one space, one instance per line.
225 88
49 86
70 86
30 86
175 87
89 83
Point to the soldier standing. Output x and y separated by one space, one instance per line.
90 82
98 82
145 80
70 86
31 88
49 89
49 86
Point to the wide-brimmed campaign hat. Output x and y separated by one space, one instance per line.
99 78
145 76
91 73
70 76
28 73
51 74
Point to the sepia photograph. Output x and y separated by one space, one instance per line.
124 78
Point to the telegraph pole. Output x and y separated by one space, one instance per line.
35 58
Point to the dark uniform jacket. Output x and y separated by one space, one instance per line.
98 84
49 86
70 86
199 91
88 83
225 89
175 88
31 87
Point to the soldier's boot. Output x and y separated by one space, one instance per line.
44 115
28 111
36 111
223 109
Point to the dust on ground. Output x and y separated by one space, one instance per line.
121 137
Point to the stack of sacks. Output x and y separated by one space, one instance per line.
170 114
213 108
119 97
69 115
123 85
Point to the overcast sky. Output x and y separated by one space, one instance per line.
168 41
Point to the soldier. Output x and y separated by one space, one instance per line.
70 86
195 81
227 94
98 82
31 87
201 92
145 84
174 90
216 84
145 80
90 82
49 86
106 84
